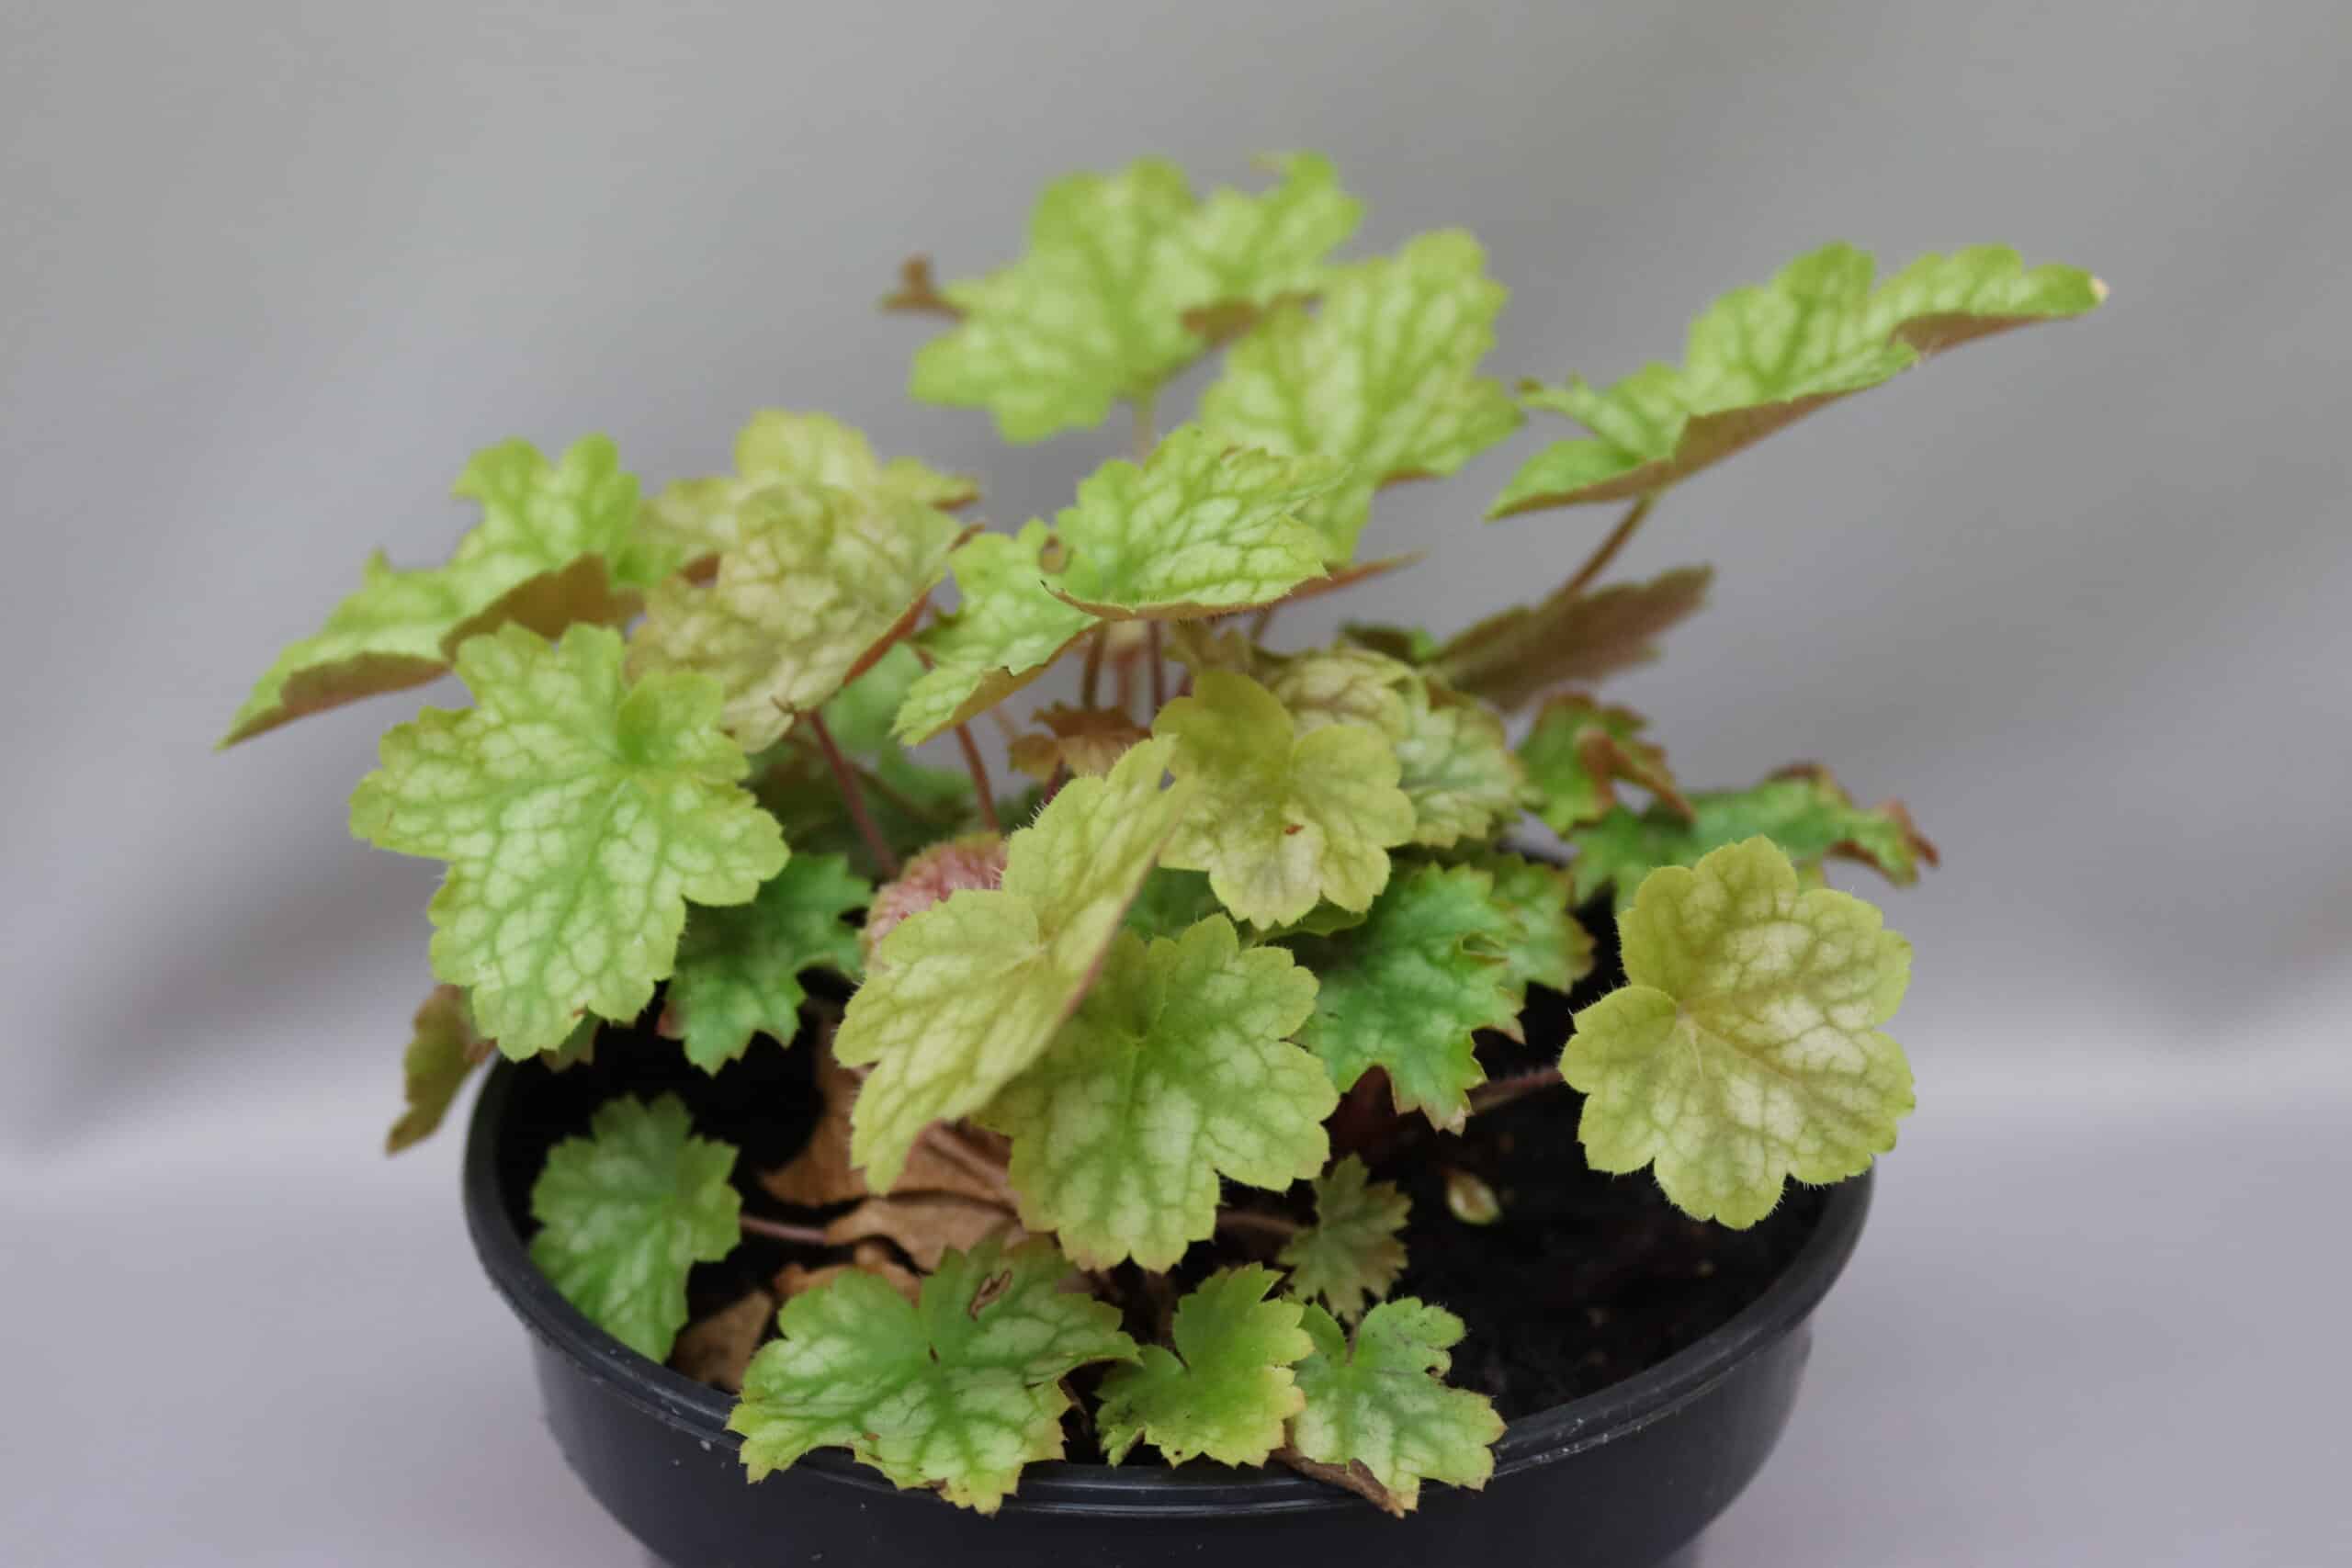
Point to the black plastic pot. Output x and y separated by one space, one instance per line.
1625 1478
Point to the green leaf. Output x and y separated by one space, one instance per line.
443 1050
1340 685
1548 947
578 815
1007 629
1176 1069
554 545
1098 309
1281 819
1744 1047
1576 752
1382 1404
1171 903
960 999
626 1212
806 453
1803 811
819 585
955 1394
738 969
1382 378
1458 769
1227 1391
1761 358
1407 989
1512 657
1199 529
1353 1254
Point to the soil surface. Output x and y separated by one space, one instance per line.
1584 1280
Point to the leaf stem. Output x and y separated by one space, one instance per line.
1497 1092
777 1230
853 797
1254 1220
1597 562
979 777
1158 673
1090 683
1262 622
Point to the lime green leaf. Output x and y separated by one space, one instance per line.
1803 811
1407 989
1338 685
802 452
1458 769
1382 1404
1355 1249
1176 1069
554 545
1578 750
1281 819
1097 310
819 585
442 1049
1171 903
1225 1391
738 969
1744 1047
963 998
1199 529
626 1212
1382 378
578 815
956 1393
1512 657
1007 629
1761 358
1548 947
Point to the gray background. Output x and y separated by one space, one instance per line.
270 272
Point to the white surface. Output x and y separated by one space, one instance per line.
272 269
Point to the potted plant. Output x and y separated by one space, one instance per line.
1218 1144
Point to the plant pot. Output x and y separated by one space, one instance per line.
1624 1478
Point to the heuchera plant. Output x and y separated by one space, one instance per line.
1252 885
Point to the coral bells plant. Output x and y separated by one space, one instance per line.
1110 1065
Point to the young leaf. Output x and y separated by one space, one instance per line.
1177 1068
738 969
1548 947
554 545
1407 989
1355 1249
442 1050
1744 1047
1517 655
624 1211
961 999
1009 628
1761 358
578 815
946 869
1199 529
955 1394
1576 752
1457 766
1381 1404
1097 310
1281 819
1227 1391
821 582
1382 378
803 452
1803 811
1087 741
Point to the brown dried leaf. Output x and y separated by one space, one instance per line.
717 1348
1085 740
1352 1476
926 1226
821 1176
870 1257
1512 658
918 292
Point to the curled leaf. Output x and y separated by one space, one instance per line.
1577 751
1569 637
1009 628
443 1050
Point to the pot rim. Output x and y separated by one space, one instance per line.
1063 1488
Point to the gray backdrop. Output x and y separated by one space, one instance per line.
271 271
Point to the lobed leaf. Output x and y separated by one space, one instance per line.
1380 1404
1087 741
963 998
1743 1048
1758 359
1577 751
443 1050
1227 1391
1176 1070
1009 628
956 1393
1510 658
626 1212
1353 1252
1457 767
1382 378
1281 819
578 815
738 969
1548 946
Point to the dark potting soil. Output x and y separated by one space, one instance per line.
1584 1281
